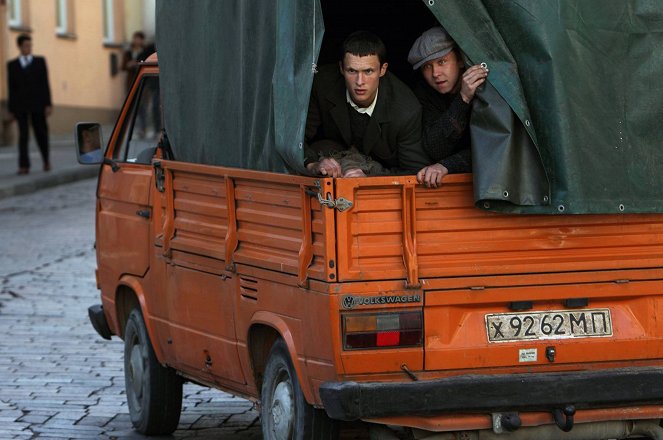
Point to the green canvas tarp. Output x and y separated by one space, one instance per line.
236 78
568 123
582 78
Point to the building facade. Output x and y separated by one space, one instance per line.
83 42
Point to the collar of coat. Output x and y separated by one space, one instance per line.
339 111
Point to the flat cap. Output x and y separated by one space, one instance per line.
432 44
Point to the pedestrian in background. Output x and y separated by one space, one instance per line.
138 52
29 101
132 56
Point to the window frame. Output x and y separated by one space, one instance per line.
123 146
108 21
64 18
16 19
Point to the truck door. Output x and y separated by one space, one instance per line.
125 208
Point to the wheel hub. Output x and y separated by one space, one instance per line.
282 411
136 371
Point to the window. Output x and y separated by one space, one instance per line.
143 128
15 13
109 22
64 18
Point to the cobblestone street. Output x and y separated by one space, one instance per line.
58 378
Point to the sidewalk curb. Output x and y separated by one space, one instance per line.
48 180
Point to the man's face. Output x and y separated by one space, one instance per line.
137 41
443 74
26 47
362 77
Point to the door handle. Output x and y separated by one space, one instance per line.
145 213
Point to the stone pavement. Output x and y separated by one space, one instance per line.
65 167
58 378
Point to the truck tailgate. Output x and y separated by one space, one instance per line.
532 324
396 229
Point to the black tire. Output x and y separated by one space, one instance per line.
284 413
154 392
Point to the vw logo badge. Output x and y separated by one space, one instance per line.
348 302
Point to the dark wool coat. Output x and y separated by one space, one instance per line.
28 88
446 134
393 136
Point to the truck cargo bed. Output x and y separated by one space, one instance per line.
394 229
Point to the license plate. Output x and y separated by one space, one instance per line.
551 324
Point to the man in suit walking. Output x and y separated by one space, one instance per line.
29 101
362 120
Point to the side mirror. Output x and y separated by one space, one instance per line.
88 143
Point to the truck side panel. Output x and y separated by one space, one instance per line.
238 250
258 219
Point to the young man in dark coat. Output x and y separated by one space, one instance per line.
29 101
362 120
445 93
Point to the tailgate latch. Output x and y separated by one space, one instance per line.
342 204
159 177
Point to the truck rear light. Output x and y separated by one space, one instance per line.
380 330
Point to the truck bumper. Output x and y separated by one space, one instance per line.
486 393
98 320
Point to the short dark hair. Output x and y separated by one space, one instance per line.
22 38
139 34
364 43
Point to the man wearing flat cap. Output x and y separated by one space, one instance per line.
362 120
445 93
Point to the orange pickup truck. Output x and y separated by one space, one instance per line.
370 299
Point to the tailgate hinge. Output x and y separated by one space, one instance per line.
159 177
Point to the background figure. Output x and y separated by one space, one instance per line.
29 100
132 56
138 52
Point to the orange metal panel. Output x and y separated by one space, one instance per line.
201 316
466 422
457 337
123 237
453 238
169 224
231 232
298 315
439 374
324 239
200 214
248 217
305 256
477 283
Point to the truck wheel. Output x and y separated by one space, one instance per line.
154 392
284 413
